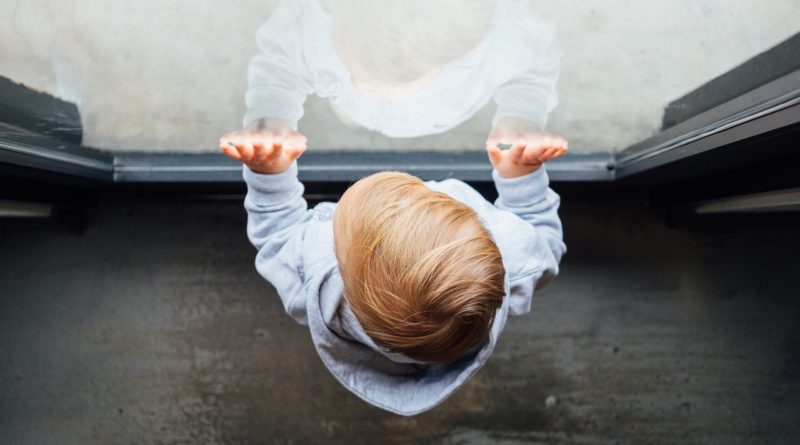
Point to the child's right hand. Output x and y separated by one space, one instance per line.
530 147
267 146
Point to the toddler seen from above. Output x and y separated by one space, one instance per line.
404 285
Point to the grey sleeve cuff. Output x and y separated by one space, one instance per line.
522 190
273 188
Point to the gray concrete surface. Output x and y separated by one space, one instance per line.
160 75
152 327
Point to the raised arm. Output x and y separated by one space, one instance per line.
523 189
530 198
276 218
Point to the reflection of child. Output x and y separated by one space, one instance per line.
404 68
404 285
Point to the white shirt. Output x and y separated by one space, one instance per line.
516 63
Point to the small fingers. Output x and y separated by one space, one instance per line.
495 154
265 144
547 154
229 140
533 154
516 152
554 152
240 143
295 152
259 152
557 146
231 151
275 152
295 140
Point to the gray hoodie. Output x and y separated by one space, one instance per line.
296 254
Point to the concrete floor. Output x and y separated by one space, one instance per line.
159 75
152 326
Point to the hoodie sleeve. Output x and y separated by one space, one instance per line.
531 92
278 81
530 198
276 221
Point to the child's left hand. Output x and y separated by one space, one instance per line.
530 147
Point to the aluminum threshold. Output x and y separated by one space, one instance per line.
346 166
38 151
770 107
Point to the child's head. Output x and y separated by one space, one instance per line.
393 48
421 273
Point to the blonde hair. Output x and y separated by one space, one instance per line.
421 273
400 41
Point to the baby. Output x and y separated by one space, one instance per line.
405 285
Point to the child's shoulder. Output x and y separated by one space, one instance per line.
319 253
458 189
323 211
515 238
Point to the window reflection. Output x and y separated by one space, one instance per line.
159 76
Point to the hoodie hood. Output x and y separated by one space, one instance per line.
388 380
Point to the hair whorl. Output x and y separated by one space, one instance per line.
422 275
